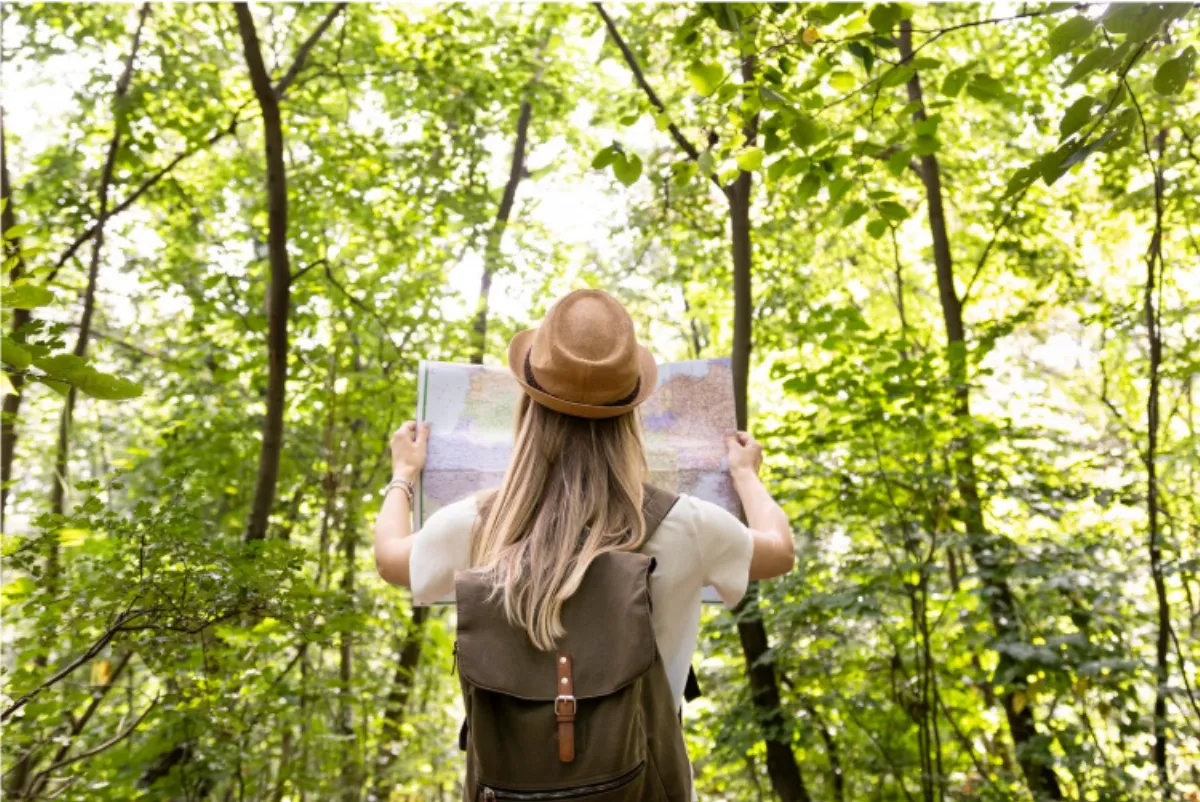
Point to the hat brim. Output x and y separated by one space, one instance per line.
647 369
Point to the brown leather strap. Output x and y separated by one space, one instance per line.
564 708
656 503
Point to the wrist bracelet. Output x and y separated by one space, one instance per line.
403 484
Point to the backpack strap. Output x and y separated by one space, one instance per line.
656 503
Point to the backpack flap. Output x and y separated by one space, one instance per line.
609 634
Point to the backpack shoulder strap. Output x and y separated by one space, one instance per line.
656 503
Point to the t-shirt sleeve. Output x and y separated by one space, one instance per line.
441 547
726 546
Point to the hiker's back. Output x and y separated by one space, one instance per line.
594 720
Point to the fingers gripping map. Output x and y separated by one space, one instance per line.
471 409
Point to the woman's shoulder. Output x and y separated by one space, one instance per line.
697 510
463 511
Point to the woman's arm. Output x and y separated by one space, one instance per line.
393 527
774 549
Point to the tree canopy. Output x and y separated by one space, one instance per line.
951 249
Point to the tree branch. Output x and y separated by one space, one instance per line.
636 69
302 54
91 652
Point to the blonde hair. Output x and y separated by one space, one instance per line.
572 491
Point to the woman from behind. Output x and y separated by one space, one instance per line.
579 585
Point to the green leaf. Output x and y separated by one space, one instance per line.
12 353
706 163
20 230
808 188
1173 75
877 228
897 76
897 163
866 54
842 81
686 172
71 369
1020 181
926 145
955 81
627 168
928 126
604 158
853 212
806 132
1119 133
1093 61
893 211
777 169
838 189
705 78
67 367
750 159
106 387
986 88
25 296
1069 34
1139 21
1076 115
62 388
883 18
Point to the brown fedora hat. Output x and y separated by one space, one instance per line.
584 360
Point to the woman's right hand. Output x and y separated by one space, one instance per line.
745 454
409 446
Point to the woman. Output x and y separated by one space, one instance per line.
574 492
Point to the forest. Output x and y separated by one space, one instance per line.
952 251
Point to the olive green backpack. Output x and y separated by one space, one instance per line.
594 720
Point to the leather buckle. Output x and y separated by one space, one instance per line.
565 698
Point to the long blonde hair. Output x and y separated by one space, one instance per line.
572 491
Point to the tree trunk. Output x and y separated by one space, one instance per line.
279 289
1032 749
62 455
1154 335
491 256
402 686
764 686
350 768
12 403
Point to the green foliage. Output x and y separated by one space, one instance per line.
284 669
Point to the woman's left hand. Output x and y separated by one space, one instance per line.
409 446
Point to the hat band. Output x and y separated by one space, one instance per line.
532 382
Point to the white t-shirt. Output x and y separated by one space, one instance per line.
697 545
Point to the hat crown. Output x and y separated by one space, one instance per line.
586 350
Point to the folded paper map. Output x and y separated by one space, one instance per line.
472 408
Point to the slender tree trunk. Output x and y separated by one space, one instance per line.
837 780
1154 536
764 685
279 289
19 775
1032 749
351 772
79 724
491 256
12 403
62 456
397 705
